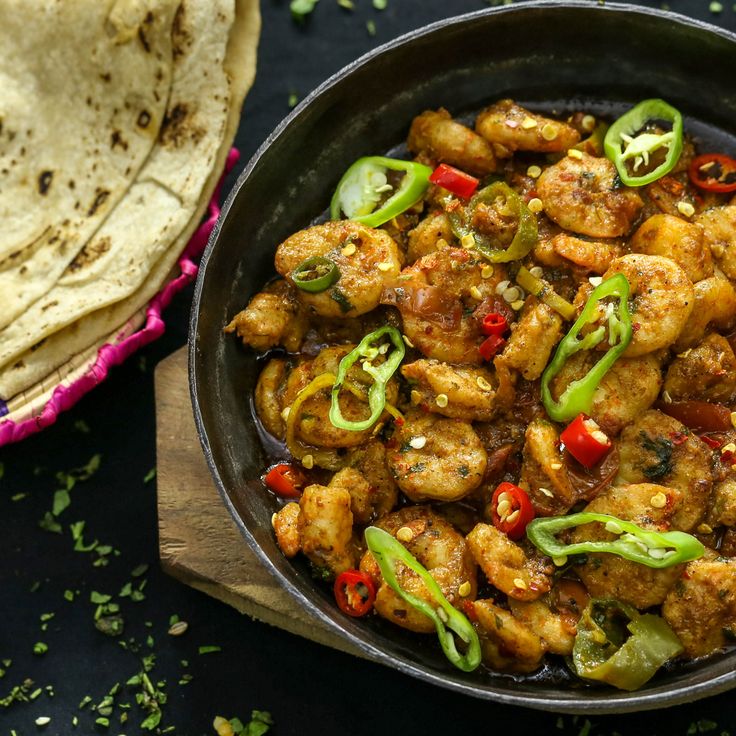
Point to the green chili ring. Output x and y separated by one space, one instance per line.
387 551
315 274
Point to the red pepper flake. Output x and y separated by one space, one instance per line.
469 611
678 438
636 326
399 421
489 347
714 444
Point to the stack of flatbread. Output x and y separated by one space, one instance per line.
116 117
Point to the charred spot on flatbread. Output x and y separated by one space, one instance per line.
44 181
181 38
178 126
144 118
90 253
116 139
100 197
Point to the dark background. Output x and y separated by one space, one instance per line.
308 689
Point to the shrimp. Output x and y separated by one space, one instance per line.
286 527
658 448
432 233
313 425
701 608
377 494
532 339
440 549
273 317
366 259
592 255
507 644
510 127
715 305
469 390
267 397
610 576
437 458
554 629
435 137
582 194
722 510
719 224
663 298
707 372
629 388
507 566
437 296
682 241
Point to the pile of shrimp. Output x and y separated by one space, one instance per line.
464 424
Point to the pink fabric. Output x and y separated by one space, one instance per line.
64 397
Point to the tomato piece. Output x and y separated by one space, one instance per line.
494 323
585 440
284 480
511 510
355 593
700 416
454 180
489 347
713 172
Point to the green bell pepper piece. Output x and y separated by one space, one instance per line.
578 396
364 184
624 141
380 374
388 552
618 645
526 235
650 548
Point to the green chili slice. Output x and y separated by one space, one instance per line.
578 396
650 548
544 292
388 552
315 274
618 645
364 185
628 141
381 374
525 237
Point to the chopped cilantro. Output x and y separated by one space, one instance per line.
380 4
61 501
209 649
293 99
49 524
18 497
347 4
300 9
371 27
149 476
99 598
136 572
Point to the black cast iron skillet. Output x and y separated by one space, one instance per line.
551 55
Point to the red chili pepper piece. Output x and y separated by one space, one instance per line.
511 510
585 441
284 480
713 443
494 324
714 172
489 347
454 180
354 592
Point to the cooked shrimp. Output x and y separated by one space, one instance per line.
440 549
267 398
436 137
592 255
532 339
437 296
274 316
707 372
432 233
507 643
719 224
286 526
510 127
610 576
582 194
722 511
554 629
658 448
682 241
469 390
663 298
437 458
380 495
701 607
629 388
366 259
507 566
715 305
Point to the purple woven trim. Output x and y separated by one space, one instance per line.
64 397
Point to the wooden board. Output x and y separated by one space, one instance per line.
199 543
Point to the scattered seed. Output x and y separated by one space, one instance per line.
574 153
502 286
666 397
404 534
520 584
528 123
43 721
285 413
503 508
486 272
483 385
442 615
536 271
464 589
517 305
407 341
547 492
416 397
384 266
555 466
733 419
560 561
511 294
588 123
705 529
475 293
274 516
349 249
441 400
418 442
511 518
657 553
308 462
467 241
686 209
658 500
595 280
549 132
613 527
178 628
535 205
533 171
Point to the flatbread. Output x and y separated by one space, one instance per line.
167 238
83 90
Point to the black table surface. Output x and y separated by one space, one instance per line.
48 590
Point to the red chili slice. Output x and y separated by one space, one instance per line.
713 172
511 510
494 324
354 593
489 347
585 441
284 480
454 180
